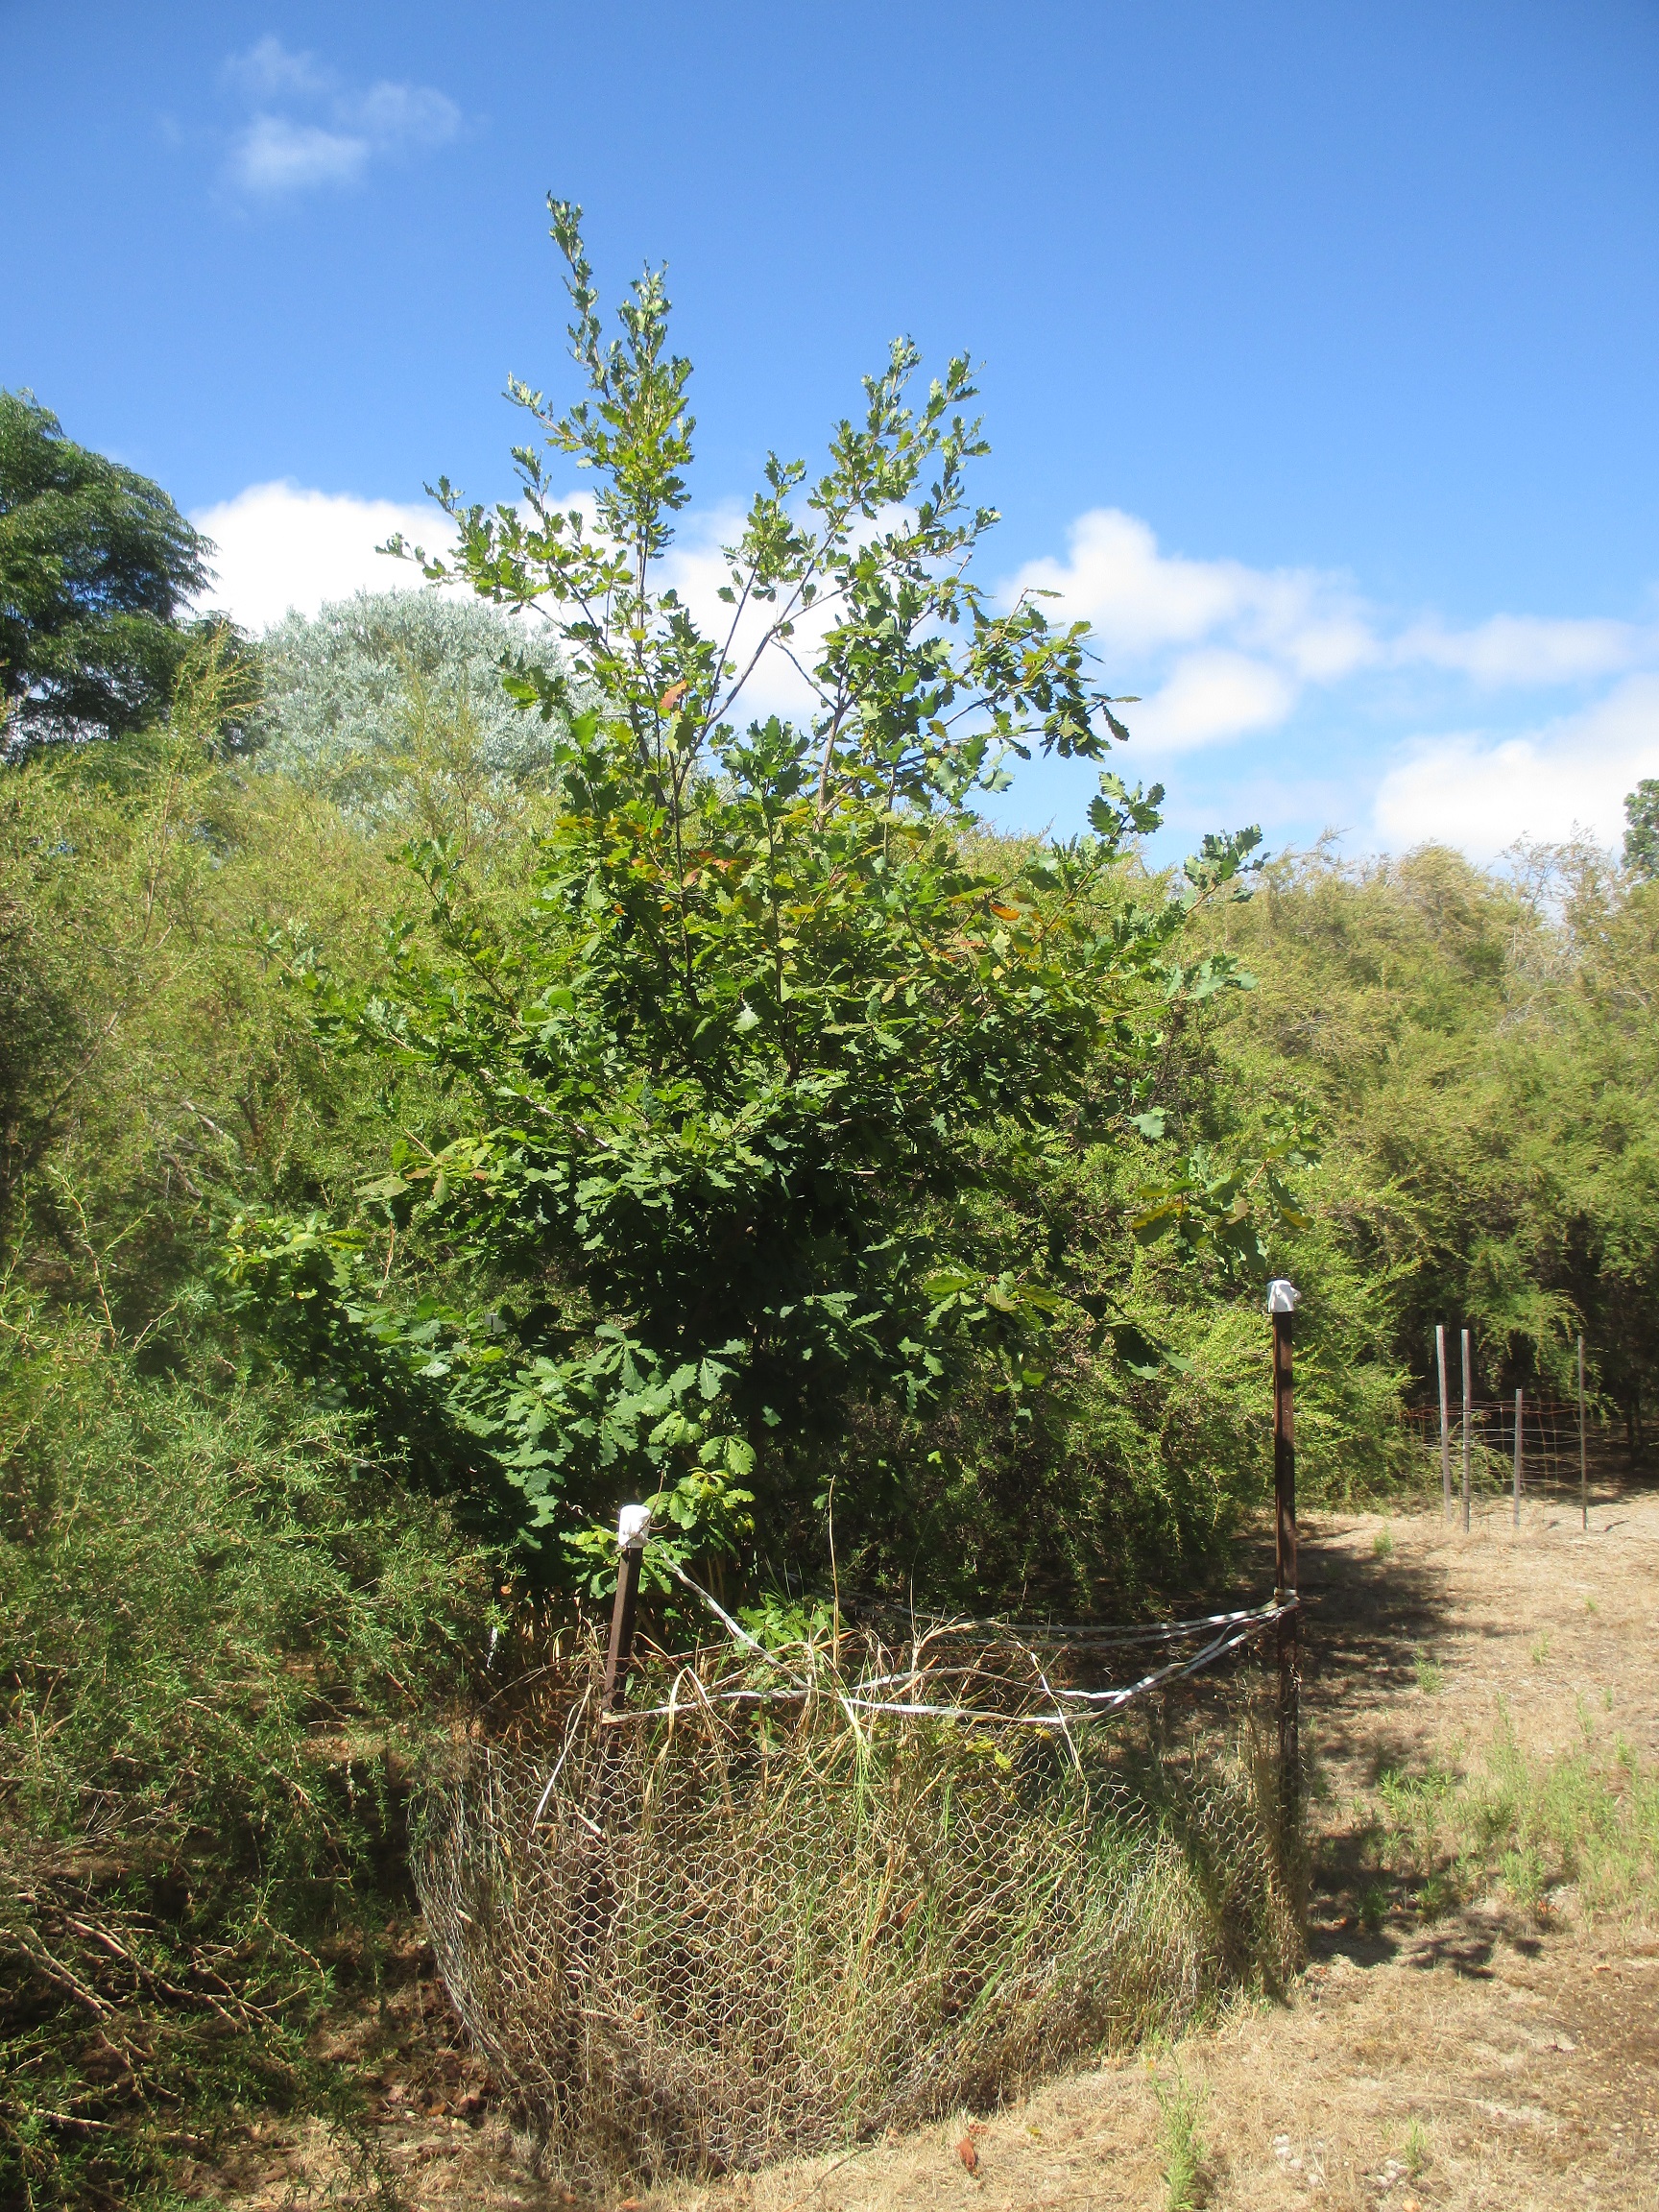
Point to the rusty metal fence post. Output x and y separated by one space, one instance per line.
1282 1299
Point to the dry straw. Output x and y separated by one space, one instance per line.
709 1932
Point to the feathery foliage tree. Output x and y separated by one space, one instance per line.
1482 1054
1642 835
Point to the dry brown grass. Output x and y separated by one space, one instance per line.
1493 2061
720 1934
1486 2061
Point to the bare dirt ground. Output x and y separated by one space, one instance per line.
1492 2060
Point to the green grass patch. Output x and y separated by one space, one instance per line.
1586 1819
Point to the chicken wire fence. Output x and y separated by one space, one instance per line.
783 1900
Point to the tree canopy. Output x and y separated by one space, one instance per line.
96 569
1642 835
391 704
734 1088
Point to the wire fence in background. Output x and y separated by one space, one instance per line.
1519 1444
1555 1450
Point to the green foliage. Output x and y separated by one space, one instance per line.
222 1629
1642 836
1586 1817
1480 1054
391 704
734 1079
1416 2148
230 1610
96 565
1180 2114
144 1058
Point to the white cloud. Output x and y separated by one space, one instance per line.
277 152
1221 650
1483 793
274 155
267 71
1525 649
1139 599
1210 696
1115 577
280 547
1236 651
398 115
697 570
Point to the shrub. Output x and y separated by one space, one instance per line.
391 704
223 1630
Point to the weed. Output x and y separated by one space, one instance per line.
1540 1649
1524 1877
1180 2106
1436 1895
1382 1544
1416 2148
1412 1805
1373 1907
1430 1680
1591 1607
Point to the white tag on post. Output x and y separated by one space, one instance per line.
632 1526
1283 1296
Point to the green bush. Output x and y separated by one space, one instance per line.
222 1629
1481 1052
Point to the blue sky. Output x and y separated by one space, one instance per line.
1320 342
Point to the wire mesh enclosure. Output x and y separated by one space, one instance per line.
1551 1443
749 1917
